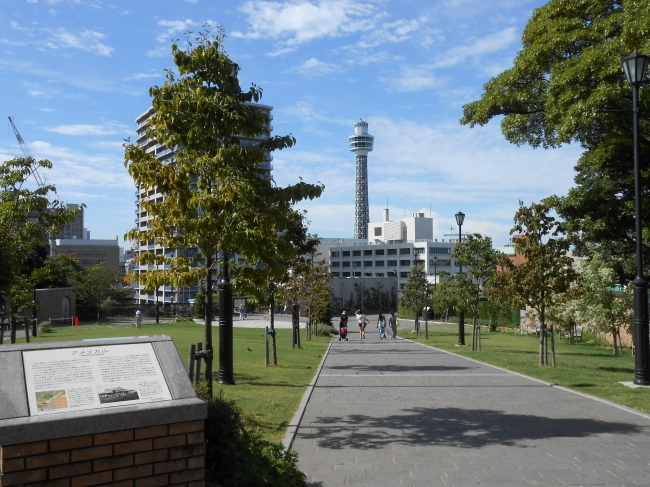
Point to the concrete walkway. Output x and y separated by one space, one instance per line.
397 413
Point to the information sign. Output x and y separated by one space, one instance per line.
74 379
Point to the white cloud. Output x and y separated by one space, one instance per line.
486 45
279 52
159 52
47 109
142 76
314 67
192 1
413 78
35 93
88 129
174 27
299 21
86 40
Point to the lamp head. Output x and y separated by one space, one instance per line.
460 218
634 67
234 70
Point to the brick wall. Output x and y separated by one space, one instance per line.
171 454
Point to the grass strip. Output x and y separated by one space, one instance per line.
269 396
588 368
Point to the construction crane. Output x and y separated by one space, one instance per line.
21 142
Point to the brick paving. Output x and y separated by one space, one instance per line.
396 413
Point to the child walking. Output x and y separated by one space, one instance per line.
381 326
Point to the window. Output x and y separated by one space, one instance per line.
356 253
356 263
392 274
401 287
336 264
405 263
406 251
346 264
346 274
391 263
377 231
336 274
379 252
367 263
367 274
392 251
357 274
441 262
379 274
335 253
346 253
439 250
379 263
367 252
418 251
403 274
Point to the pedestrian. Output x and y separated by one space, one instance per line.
343 327
381 326
361 321
138 320
392 322
284 309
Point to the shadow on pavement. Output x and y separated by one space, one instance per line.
397 368
462 428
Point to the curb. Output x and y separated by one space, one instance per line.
549 384
292 429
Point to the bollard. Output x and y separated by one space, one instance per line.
266 353
190 362
197 365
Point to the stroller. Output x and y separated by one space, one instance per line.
343 333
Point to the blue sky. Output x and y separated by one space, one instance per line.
75 74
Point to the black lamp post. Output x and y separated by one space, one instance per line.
226 373
426 311
435 281
460 218
635 66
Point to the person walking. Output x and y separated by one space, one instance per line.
392 322
138 320
343 327
381 326
361 321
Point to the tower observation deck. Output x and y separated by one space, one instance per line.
361 143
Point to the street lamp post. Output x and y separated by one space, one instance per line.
460 218
226 373
435 280
635 66
426 312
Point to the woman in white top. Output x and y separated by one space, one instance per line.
361 321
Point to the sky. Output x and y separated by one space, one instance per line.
75 74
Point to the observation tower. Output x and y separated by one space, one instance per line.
361 143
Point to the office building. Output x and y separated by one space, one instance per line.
89 252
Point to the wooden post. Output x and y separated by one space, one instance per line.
190 362
26 327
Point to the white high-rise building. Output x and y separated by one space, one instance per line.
169 294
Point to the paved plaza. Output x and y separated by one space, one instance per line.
397 413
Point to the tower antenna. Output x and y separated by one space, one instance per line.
361 143
26 153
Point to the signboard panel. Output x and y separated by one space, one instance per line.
74 379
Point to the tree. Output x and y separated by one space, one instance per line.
477 256
566 74
413 295
308 288
218 196
26 217
57 271
545 275
97 290
606 310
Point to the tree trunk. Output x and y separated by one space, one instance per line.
614 336
275 357
208 324
620 342
541 345
553 346
12 320
478 330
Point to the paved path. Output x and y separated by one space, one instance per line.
396 413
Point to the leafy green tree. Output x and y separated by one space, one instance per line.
545 275
57 271
605 310
217 198
26 216
413 295
97 290
442 295
479 259
566 74
199 303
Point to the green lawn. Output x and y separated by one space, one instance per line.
586 368
269 396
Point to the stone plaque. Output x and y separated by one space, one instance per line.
93 377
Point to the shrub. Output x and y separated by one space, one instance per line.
325 315
44 326
325 330
199 304
236 456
